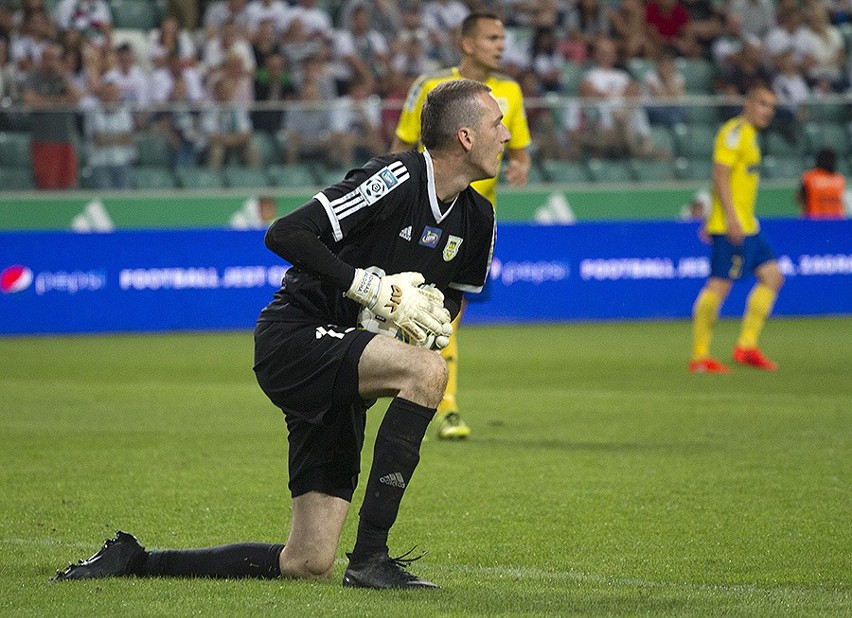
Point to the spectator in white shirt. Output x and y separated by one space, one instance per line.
228 41
827 49
92 18
790 33
227 129
442 20
360 53
259 11
109 131
131 80
163 80
219 13
170 38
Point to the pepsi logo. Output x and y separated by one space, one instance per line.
15 279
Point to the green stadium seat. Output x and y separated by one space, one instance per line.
16 179
638 67
15 149
819 111
662 138
605 170
565 171
783 168
694 168
266 146
153 178
774 143
703 114
137 14
827 135
572 75
198 178
695 140
152 148
245 177
292 175
698 74
652 171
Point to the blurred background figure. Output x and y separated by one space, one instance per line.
109 133
49 90
821 193
227 129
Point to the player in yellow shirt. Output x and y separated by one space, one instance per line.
483 39
738 246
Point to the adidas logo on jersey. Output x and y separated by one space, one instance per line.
405 233
394 479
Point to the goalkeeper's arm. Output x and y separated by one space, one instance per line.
296 238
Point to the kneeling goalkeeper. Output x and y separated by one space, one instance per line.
409 214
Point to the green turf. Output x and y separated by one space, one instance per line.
601 479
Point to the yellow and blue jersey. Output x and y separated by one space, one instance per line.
736 146
509 97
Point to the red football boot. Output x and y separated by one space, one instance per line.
707 365
753 357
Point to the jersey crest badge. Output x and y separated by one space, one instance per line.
430 236
378 185
451 249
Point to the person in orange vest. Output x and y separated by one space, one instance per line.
821 193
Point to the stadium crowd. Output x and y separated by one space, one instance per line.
324 80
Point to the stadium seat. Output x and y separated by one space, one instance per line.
15 149
153 178
662 139
785 168
774 143
198 178
152 148
565 171
266 145
828 135
703 114
652 171
292 175
820 111
136 14
695 140
698 74
245 177
605 170
16 179
694 168
572 74
638 67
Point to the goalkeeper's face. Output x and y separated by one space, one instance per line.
490 139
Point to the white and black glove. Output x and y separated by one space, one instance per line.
418 312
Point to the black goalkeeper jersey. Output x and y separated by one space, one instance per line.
387 215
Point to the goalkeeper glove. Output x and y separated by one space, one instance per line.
418 312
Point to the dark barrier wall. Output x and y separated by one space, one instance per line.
60 282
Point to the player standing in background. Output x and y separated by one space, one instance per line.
737 245
483 40
412 214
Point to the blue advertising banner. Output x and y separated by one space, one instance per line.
130 281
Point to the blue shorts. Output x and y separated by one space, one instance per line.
728 261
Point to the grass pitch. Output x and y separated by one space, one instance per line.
601 479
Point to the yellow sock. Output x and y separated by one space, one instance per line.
451 355
758 307
705 314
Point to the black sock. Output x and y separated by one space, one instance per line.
240 560
395 456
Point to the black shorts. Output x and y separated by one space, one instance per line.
311 373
